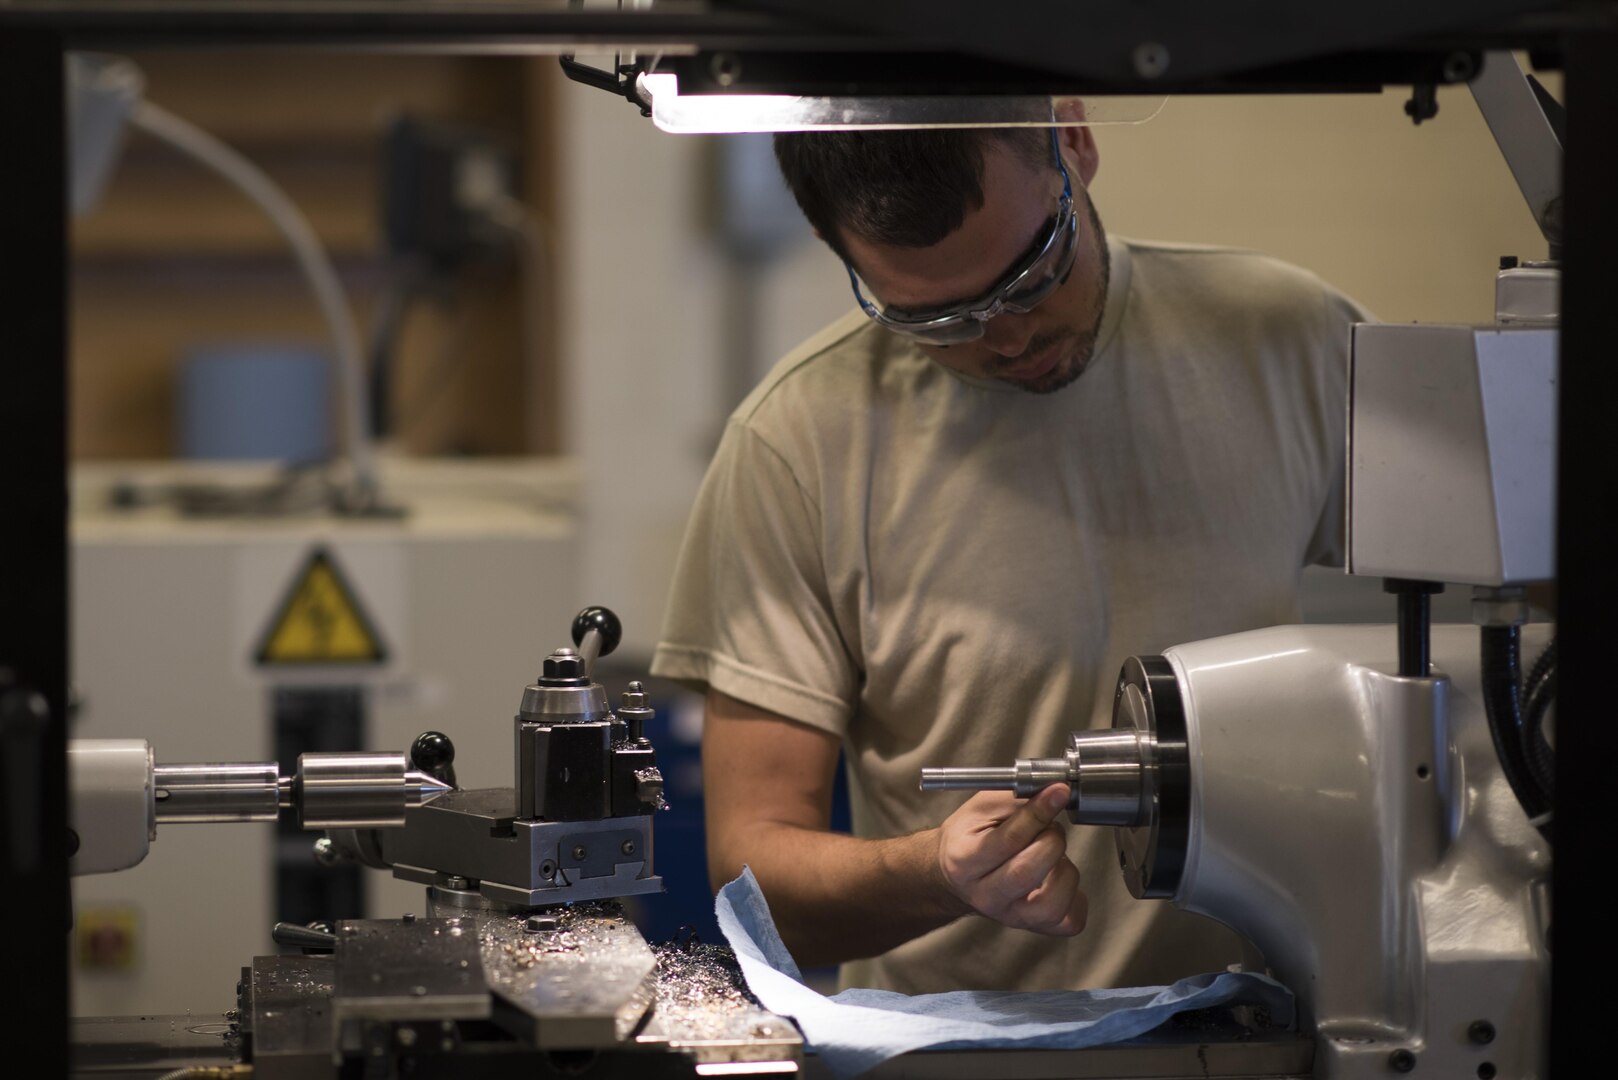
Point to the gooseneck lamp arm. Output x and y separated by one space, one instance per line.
362 487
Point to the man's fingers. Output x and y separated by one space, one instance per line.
1007 858
1058 906
1027 869
990 808
1026 822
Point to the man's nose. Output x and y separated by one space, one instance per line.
1008 334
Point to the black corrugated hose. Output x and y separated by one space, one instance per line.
1503 707
1539 692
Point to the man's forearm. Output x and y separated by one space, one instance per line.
837 898
769 785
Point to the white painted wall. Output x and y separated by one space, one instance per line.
1408 220
642 342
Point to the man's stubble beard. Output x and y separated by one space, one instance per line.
1082 345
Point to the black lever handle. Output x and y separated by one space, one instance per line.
434 754
603 622
307 938
596 631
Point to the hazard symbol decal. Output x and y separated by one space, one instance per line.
321 621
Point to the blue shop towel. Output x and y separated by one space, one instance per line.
859 1029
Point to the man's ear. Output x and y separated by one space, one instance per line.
1078 143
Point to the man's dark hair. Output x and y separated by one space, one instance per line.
904 188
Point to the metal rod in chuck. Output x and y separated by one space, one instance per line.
246 791
976 779
1106 772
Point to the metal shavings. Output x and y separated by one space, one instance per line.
581 933
651 780
700 973
701 994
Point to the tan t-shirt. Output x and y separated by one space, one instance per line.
948 571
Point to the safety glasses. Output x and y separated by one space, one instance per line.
1020 291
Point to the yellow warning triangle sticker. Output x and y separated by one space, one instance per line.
321 621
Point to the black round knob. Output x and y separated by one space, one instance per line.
431 750
434 754
601 620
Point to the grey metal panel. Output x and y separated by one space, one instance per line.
1169 1054
149 1046
290 1016
419 969
712 1033
1475 406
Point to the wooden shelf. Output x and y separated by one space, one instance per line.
173 256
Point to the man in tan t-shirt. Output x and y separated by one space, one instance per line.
926 540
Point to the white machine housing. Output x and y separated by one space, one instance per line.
110 785
1380 861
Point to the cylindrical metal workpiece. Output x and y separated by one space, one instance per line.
1109 773
353 791
1036 774
955 779
1111 781
245 791
1027 778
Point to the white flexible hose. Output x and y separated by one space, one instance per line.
312 260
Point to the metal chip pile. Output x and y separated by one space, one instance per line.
700 992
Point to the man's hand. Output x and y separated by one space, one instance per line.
768 784
1007 858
